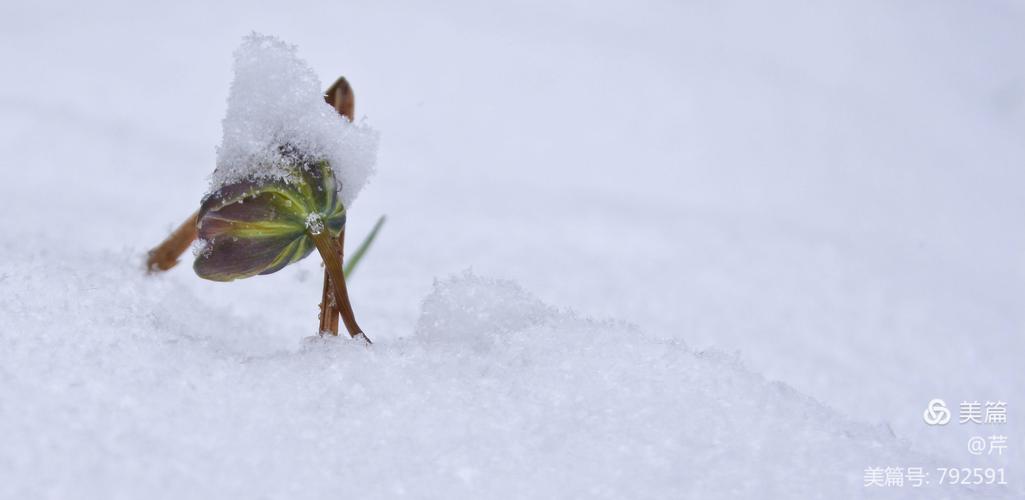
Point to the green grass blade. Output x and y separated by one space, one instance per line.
362 249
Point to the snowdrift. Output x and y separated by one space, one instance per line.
110 391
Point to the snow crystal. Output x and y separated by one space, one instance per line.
276 99
315 223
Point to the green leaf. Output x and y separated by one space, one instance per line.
361 250
260 226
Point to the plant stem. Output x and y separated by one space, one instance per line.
327 307
362 248
332 319
332 255
165 255
340 97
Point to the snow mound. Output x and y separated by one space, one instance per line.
277 99
109 391
476 310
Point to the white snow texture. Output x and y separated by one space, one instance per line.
496 395
660 249
277 99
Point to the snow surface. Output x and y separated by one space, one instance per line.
496 395
719 250
277 99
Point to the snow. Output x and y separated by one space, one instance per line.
315 223
496 394
277 99
718 250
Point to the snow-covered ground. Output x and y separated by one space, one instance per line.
718 250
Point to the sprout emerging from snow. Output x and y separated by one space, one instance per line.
288 167
276 100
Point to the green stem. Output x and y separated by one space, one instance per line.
332 256
362 248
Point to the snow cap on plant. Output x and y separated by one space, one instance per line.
276 100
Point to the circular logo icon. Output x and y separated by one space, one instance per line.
936 413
